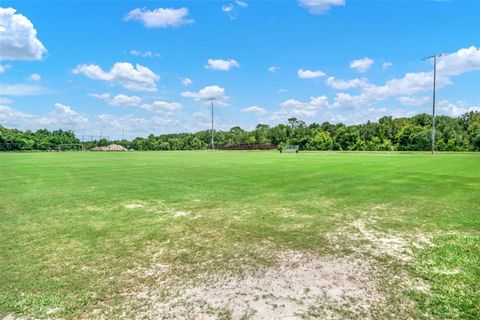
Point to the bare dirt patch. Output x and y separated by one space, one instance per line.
290 289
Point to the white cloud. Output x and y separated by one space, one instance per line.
241 4
361 65
20 89
120 100
464 60
414 101
282 90
4 67
320 6
227 8
344 100
157 106
138 78
308 74
222 65
5 100
340 84
64 109
231 9
454 110
295 108
101 96
386 65
210 92
35 77
65 117
273 69
160 17
144 54
18 40
254 109
62 116
187 81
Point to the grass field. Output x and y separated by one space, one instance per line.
240 235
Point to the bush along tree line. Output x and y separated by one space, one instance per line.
388 134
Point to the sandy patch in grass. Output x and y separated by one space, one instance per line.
177 214
384 244
133 205
288 290
156 207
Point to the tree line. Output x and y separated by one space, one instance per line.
388 134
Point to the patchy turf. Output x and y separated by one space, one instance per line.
239 235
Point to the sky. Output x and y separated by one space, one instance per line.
128 68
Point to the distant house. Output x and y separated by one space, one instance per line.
110 147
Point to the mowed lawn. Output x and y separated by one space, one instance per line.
75 228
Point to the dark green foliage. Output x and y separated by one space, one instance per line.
13 139
388 134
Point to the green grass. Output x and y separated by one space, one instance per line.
67 236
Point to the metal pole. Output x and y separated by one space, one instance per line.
213 146
433 108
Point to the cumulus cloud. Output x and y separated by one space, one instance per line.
120 100
210 92
187 81
157 106
65 117
295 108
273 69
254 109
308 74
464 60
5 100
160 17
412 83
413 101
320 6
18 39
4 67
144 54
135 78
62 116
35 77
448 108
361 65
222 65
340 84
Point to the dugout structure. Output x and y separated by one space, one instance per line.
248 146
70 147
290 149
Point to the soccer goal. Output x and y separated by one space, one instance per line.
289 149
70 147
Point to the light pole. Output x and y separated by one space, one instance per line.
213 145
434 57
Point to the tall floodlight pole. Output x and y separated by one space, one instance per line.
434 57
213 145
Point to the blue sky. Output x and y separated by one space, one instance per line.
111 66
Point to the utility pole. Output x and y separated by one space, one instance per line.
213 145
434 57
